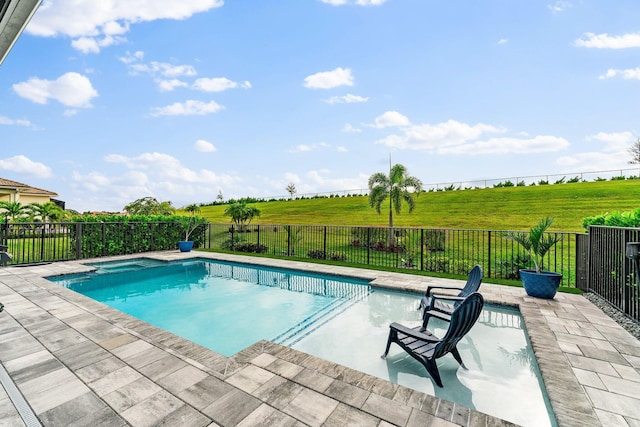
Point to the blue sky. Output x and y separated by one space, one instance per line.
105 102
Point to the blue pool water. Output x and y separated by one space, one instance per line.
228 307
223 306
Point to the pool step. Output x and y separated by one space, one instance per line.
319 318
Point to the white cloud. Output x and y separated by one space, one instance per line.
130 58
166 75
188 108
349 128
96 24
537 144
157 174
342 149
335 2
93 181
629 74
390 119
559 6
346 99
305 147
24 165
370 2
613 155
615 142
70 89
170 85
605 41
324 182
503 41
453 137
17 122
164 69
204 146
94 45
329 79
218 84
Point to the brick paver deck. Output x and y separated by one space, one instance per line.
79 362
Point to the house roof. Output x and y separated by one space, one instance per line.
14 17
7 184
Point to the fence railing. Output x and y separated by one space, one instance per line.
453 251
612 275
591 262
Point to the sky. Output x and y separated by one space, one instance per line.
105 102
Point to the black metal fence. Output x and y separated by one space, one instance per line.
612 275
595 262
453 251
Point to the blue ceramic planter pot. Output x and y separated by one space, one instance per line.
543 285
185 246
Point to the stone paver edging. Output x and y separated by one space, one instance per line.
72 355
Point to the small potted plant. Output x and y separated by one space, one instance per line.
189 225
538 283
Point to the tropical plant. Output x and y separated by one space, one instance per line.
241 213
190 223
399 186
14 210
46 211
537 242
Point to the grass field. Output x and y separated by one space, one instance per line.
510 208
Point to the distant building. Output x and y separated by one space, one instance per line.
14 17
13 191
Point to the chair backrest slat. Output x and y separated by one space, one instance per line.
474 279
463 318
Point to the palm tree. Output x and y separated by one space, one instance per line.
46 211
399 186
241 213
13 209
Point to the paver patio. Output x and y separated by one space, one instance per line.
79 362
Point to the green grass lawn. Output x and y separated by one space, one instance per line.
510 208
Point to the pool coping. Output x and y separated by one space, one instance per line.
572 399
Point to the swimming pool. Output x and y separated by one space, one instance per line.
226 307
223 306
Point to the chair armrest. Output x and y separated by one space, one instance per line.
424 336
447 297
428 293
430 304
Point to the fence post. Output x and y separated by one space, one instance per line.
421 249
79 240
232 237
42 234
104 239
258 230
368 244
489 255
324 245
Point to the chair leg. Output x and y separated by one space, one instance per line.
456 355
432 368
425 321
393 336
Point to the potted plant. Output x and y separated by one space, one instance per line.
189 225
538 283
